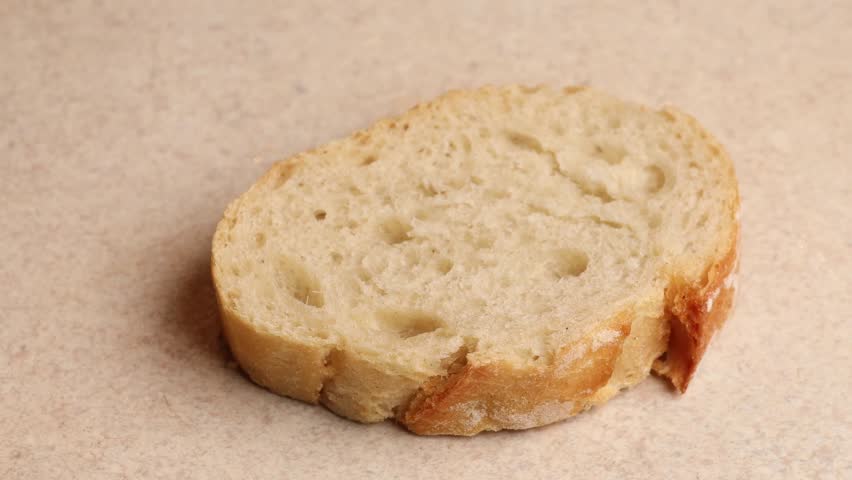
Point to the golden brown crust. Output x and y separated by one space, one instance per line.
284 366
281 364
497 396
696 310
362 389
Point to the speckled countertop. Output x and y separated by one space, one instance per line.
126 127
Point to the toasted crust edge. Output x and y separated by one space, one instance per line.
696 312
495 396
282 365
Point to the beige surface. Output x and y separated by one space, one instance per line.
125 129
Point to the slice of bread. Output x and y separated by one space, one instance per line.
497 258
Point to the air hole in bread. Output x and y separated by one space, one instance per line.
605 222
364 275
353 285
309 296
427 189
336 257
478 302
570 262
484 242
484 133
466 144
613 123
394 230
260 239
475 180
412 257
655 178
593 190
496 194
611 154
409 323
487 262
369 160
291 276
654 220
423 214
444 265
524 141
456 183
533 208
320 215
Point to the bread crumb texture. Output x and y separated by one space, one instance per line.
500 258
